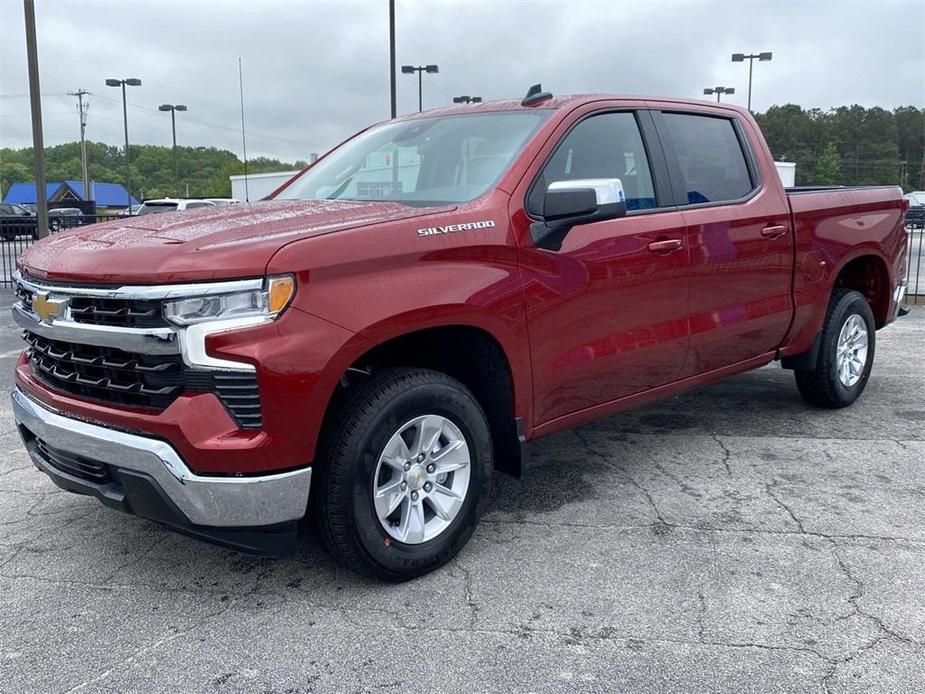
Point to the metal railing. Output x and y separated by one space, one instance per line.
17 234
915 267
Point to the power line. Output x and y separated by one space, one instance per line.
207 124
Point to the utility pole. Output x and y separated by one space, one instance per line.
392 57
35 102
247 196
80 94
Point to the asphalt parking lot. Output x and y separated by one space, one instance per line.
727 540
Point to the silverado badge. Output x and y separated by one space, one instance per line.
453 228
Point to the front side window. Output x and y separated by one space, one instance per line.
710 156
421 162
608 145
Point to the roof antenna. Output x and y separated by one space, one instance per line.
535 95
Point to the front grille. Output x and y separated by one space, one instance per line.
108 374
120 313
72 464
137 380
25 297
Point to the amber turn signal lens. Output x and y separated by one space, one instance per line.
279 293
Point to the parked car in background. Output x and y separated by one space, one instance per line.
369 345
171 205
16 220
129 211
221 202
915 215
67 218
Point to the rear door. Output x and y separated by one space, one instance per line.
739 235
607 313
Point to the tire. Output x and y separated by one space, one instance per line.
352 463
7 236
824 386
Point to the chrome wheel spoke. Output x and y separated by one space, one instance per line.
447 491
411 527
388 497
444 506
426 435
396 453
451 457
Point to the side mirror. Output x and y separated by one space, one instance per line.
581 201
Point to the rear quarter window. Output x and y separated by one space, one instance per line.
710 156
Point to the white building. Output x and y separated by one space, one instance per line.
787 171
258 185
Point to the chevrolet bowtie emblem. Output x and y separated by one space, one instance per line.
46 308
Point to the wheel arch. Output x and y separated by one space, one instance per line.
465 350
868 273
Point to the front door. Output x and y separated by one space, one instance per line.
607 313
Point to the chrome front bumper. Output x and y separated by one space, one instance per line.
222 502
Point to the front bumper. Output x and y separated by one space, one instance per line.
147 476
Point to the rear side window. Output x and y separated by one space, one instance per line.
604 146
711 157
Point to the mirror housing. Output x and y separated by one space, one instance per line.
580 201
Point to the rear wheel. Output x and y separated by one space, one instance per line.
403 474
846 353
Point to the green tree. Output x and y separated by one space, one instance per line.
204 171
828 166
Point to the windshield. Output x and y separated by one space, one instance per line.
426 161
153 207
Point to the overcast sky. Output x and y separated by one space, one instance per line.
314 72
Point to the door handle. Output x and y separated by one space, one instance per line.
665 246
774 232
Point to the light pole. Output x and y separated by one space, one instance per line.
393 92
719 91
741 58
173 108
467 99
420 69
131 82
35 104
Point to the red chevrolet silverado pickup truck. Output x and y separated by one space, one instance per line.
370 342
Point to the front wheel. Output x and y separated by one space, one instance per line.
846 353
403 473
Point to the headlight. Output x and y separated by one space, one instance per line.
269 301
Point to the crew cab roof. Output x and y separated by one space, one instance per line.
558 102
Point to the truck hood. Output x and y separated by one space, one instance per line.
212 243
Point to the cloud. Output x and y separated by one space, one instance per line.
317 71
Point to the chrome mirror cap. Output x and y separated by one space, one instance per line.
606 190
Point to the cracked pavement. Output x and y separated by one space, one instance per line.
727 540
